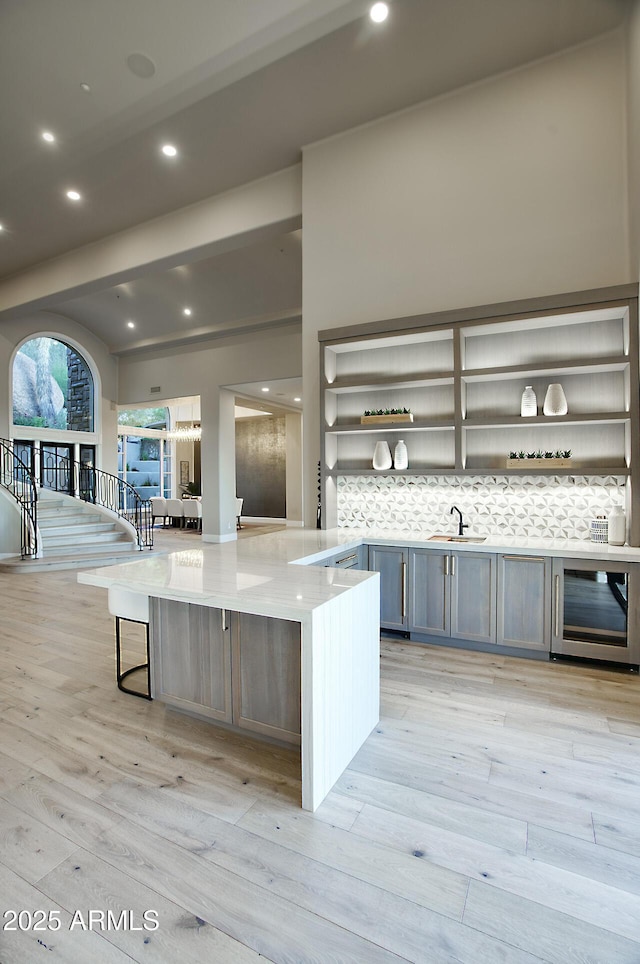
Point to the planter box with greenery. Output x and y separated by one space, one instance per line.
540 460
386 416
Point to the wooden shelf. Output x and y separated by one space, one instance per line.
610 363
374 383
576 470
548 421
419 425
592 348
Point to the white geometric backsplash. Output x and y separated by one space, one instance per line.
556 507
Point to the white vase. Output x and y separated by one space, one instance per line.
382 456
555 402
617 530
529 403
400 456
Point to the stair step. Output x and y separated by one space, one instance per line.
62 510
81 528
60 561
76 542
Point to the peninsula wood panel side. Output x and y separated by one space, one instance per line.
191 658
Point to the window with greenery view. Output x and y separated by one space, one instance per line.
144 417
52 387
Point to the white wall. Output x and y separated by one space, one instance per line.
294 467
511 188
204 371
633 115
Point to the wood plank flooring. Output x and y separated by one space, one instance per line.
493 816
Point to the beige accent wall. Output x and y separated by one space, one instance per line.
511 188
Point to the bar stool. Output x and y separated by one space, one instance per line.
132 607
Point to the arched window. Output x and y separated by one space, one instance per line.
52 387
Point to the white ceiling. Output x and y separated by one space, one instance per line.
240 86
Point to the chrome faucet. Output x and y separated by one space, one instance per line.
461 525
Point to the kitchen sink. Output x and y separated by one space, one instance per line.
457 539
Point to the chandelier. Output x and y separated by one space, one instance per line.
186 433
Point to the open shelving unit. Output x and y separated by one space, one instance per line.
462 375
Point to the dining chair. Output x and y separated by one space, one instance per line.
158 508
192 513
175 511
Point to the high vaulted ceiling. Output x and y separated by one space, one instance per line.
239 86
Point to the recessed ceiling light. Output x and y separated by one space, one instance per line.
186 311
297 399
265 389
48 137
85 88
169 150
131 324
379 12
73 195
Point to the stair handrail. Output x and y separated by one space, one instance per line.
83 481
17 479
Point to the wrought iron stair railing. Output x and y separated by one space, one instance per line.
78 479
16 478
89 484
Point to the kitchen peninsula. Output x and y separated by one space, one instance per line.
240 637
285 618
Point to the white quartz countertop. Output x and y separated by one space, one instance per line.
255 575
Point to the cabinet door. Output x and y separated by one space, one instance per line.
266 676
191 660
473 596
524 602
429 596
391 563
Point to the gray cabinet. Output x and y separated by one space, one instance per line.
237 668
524 602
453 594
430 592
473 596
391 562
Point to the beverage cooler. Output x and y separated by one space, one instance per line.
593 610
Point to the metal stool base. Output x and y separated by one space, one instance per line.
120 676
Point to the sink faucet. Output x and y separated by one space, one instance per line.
461 525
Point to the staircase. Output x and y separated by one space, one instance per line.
74 535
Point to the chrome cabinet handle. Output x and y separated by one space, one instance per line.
525 558
404 590
453 565
557 608
354 555
223 614
446 565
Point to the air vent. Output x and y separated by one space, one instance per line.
154 389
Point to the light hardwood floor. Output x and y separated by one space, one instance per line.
492 817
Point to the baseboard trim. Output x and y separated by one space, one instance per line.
230 537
